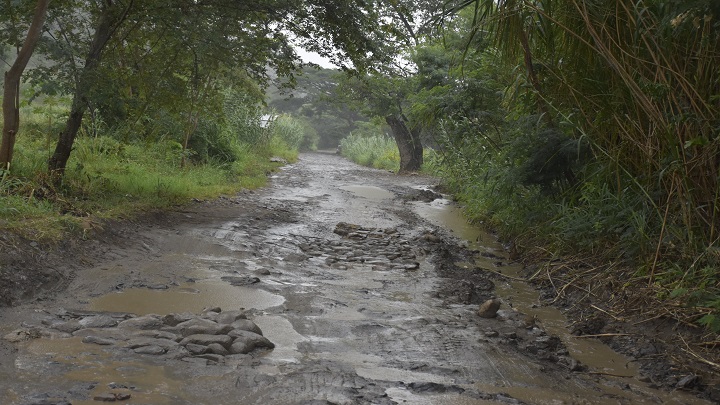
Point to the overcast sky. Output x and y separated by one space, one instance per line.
315 58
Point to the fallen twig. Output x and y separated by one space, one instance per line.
609 374
697 356
608 313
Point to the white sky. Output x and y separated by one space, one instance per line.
315 58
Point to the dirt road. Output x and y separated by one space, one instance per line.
361 291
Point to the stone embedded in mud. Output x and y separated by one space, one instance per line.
145 341
151 321
217 348
206 340
240 280
196 349
99 340
174 319
151 350
228 317
244 324
244 342
21 335
200 326
68 327
157 334
489 308
98 321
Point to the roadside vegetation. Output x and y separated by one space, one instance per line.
108 177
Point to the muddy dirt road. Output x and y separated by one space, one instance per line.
335 285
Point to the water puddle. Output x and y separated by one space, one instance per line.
189 297
592 353
150 384
369 192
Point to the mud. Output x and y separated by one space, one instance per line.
365 282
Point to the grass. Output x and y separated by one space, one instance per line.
108 179
378 151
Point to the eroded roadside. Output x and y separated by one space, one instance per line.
363 297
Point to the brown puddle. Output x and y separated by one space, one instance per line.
597 356
148 384
369 192
190 297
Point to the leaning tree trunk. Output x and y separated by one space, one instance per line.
106 26
11 91
408 143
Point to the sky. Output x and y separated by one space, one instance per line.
315 58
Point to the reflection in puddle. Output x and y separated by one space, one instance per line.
192 297
369 192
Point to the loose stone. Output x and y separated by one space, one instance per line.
489 308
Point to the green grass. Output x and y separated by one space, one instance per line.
108 179
378 151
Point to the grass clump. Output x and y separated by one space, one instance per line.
370 146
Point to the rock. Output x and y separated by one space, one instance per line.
145 322
143 341
51 334
157 334
492 333
212 357
240 280
688 381
200 326
228 317
206 340
195 360
96 340
98 321
152 350
217 348
174 319
489 308
245 342
196 349
68 327
21 335
247 325
112 397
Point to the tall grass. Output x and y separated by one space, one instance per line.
109 178
378 151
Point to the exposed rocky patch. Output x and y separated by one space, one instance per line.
209 337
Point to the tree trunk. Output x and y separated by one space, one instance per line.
408 143
107 24
11 91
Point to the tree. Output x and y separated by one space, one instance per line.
11 93
222 35
384 96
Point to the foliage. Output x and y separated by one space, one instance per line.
369 146
620 161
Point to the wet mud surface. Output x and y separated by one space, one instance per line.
335 285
